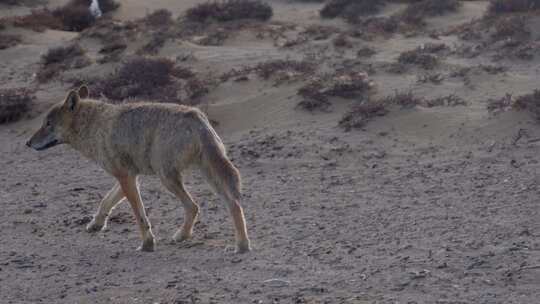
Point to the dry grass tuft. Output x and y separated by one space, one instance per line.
150 79
317 92
59 59
361 114
7 41
73 16
351 10
229 10
14 104
419 56
512 6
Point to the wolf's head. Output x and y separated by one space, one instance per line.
57 123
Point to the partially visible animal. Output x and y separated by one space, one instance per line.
135 139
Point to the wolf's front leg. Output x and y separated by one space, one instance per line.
131 190
111 199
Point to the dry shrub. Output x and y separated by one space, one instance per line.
419 57
451 100
151 79
73 16
7 41
38 20
61 58
427 8
282 69
14 103
361 114
366 52
159 18
495 105
381 24
319 32
403 99
9 2
529 102
512 6
341 41
230 10
313 98
511 27
351 10
155 43
316 92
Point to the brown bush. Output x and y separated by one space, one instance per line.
316 92
403 99
158 18
73 16
351 10
419 57
511 27
60 59
451 100
14 104
512 6
150 79
7 41
229 10
426 8
529 102
283 68
361 114
38 20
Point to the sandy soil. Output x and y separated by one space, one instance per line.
424 205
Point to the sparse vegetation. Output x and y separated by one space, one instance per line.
7 41
316 92
511 27
60 59
158 18
281 69
38 20
403 99
529 102
150 79
230 10
451 100
361 114
418 10
73 16
420 57
14 104
512 6
351 10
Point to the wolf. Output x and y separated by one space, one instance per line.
129 140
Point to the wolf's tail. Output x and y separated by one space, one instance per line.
219 170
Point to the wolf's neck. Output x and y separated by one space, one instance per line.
89 127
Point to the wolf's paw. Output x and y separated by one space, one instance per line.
243 247
148 245
180 236
94 226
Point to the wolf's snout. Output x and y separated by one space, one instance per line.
28 143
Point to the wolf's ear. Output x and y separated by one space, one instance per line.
72 100
83 92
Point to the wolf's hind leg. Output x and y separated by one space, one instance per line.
111 199
131 190
191 209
